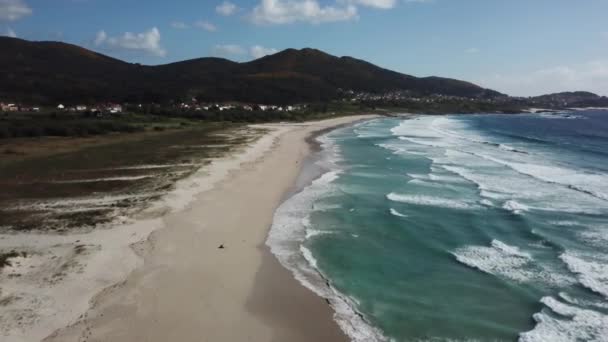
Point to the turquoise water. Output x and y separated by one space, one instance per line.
480 227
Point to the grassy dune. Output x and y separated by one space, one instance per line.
55 184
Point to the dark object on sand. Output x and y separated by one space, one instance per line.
221 246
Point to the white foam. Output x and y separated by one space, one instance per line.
591 271
597 236
446 178
308 256
515 206
574 324
499 259
451 144
313 232
524 194
438 178
286 238
561 115
565 223
430 201
396 213
510 262
418 176
590 183
511 250
325 207
582 302
486 202
421 182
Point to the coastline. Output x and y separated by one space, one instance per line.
187 288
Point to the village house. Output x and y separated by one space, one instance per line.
8 107
114 108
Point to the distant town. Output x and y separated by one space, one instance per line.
102 109
351 101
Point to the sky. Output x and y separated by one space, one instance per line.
519 47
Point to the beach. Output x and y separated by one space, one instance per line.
206 274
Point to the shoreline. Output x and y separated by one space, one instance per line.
290 231
187 288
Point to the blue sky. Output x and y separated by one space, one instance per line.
521 47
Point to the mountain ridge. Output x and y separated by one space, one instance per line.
49 72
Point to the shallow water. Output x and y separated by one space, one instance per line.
475 227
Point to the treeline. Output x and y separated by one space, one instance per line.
237 115
155 117
70 127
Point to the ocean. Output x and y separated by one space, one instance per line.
457 228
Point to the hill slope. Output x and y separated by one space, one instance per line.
50 72
569 99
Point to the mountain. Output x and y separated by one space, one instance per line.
574 99
51 72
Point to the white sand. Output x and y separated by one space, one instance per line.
162 278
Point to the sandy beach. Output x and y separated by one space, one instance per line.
206 274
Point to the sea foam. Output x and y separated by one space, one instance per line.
430 201
591 271
501 259
571 324
396 213
498 259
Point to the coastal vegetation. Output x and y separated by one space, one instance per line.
63 183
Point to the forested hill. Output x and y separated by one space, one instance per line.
49 72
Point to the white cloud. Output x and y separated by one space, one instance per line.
100 38
240 52
472 50
147 42
205 25
180 25
9 33
11 10
228 50
226 8
382 4
591 76
258 51
310 11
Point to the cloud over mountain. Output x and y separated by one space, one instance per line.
11 10
270 12
147 42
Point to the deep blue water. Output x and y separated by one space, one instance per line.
471 227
